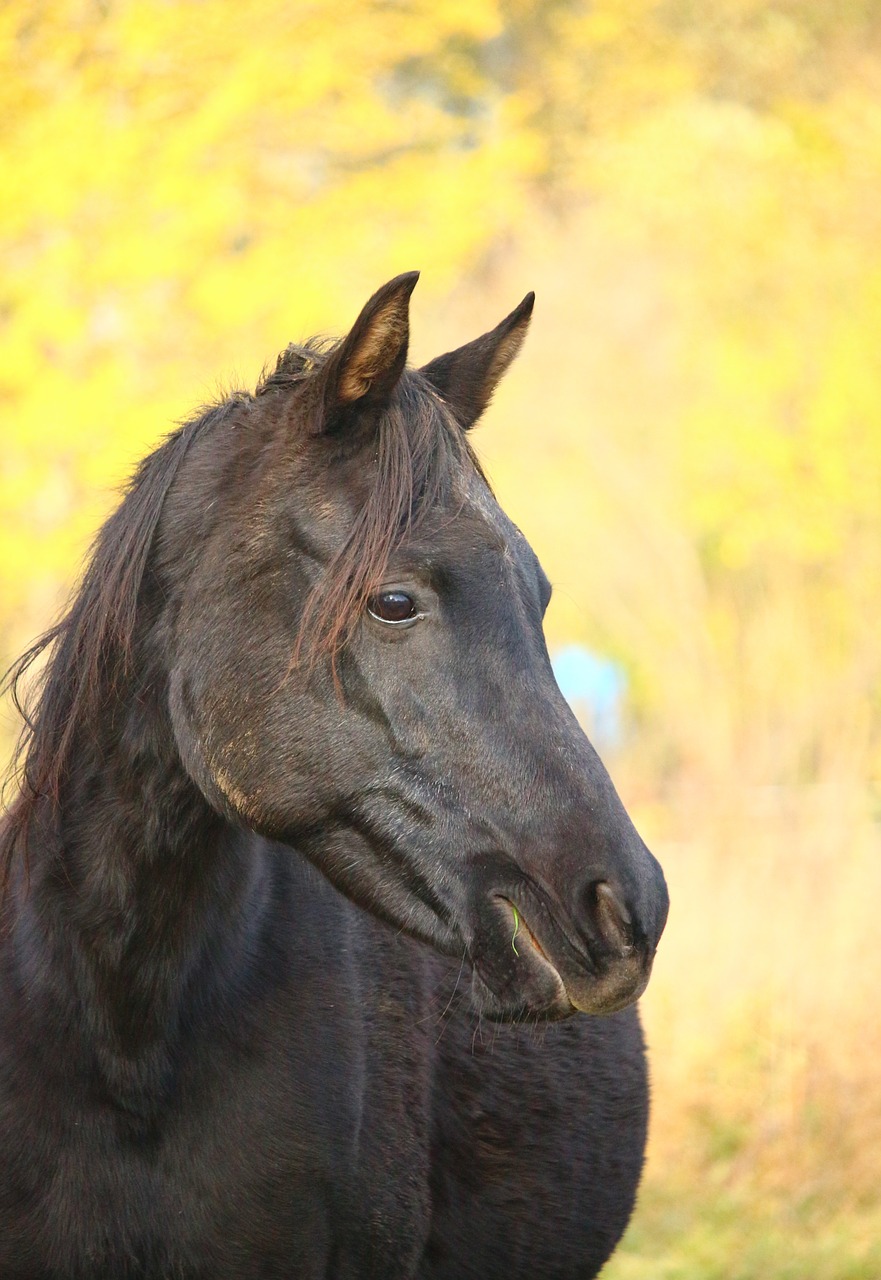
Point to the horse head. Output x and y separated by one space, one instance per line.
357 669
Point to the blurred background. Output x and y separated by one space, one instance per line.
691 440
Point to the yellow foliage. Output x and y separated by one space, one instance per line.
691 438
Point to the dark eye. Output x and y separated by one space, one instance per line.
393 607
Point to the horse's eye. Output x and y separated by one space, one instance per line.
392 606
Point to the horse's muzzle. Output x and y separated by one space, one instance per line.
536 958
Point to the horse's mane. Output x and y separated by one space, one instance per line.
91 646
418 449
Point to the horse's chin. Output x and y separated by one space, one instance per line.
547 1004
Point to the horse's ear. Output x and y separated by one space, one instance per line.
363 370
467 378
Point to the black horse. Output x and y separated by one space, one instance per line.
304 822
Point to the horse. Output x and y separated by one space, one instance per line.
311 874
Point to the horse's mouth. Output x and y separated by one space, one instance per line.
580 983
527 949
523 931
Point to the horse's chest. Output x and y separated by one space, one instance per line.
324 1148
301 1155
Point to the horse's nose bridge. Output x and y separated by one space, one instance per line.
574 831
583 838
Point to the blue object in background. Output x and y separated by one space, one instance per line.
594 687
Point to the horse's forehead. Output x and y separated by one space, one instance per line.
477 499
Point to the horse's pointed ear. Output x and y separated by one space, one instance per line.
467 378
363 370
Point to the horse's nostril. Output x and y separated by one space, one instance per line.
610 916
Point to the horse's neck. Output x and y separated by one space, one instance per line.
139 911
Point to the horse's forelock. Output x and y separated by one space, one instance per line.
419 451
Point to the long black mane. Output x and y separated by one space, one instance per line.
91 644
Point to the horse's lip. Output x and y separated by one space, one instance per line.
521 926
535 942
556 938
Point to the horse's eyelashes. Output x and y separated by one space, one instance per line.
393 607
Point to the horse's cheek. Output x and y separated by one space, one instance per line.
269 764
